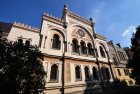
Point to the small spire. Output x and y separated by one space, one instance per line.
64 17
92 22
119 45
65 9
91 19
65 6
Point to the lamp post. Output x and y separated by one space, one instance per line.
63 69
96 56
109 63
65 25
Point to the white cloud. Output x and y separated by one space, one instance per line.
130 29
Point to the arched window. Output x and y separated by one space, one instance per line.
75 47
56 42
89 46
87 76
102 51
90 49
78 73
83 47
107 74
103 73
20 41
27 43
54 73
95 73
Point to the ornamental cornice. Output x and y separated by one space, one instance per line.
26 27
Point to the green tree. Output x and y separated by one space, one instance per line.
21 69
134 63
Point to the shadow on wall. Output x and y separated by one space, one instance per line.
100 88
92 86
95 84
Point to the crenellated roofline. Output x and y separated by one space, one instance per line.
51 18
63 21
26 27
79 18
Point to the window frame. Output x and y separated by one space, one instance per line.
83 48
102 51
56 42
80 79
88 71
57 74
75 46
95 71
104 73
108 75
90 50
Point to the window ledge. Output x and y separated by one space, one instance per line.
91 56
53 81
55 49
75 53
77 80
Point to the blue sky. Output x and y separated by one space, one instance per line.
115 19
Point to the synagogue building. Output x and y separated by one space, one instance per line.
76 57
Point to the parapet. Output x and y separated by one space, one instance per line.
27 27
52 18
79 18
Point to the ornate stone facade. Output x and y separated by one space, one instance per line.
76 58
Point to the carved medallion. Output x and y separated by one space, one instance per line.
81 32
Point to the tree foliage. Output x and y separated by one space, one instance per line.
21 69
135 61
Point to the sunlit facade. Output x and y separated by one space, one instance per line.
76 58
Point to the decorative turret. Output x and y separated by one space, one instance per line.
92 25
64 17
119 45
65 7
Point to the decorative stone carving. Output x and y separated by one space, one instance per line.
81 32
